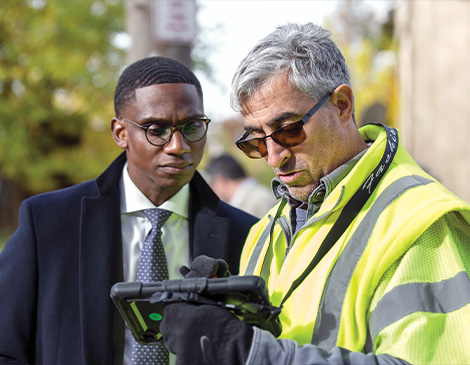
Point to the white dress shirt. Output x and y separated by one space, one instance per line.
135 226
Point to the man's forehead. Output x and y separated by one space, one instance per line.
171 102
261 105
159 95
271 110
264 93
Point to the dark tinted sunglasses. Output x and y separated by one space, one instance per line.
288 136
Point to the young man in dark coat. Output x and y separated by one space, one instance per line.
72 245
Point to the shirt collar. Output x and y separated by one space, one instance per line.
327 184
133 200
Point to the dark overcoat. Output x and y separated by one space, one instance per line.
57 269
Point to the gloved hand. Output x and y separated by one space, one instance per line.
205 334
205 267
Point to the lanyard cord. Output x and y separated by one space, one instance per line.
352 208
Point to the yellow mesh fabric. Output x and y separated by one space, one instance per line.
429 338
424 337
435 256
461 229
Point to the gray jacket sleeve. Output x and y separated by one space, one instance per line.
267 350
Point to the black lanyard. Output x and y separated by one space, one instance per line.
352 208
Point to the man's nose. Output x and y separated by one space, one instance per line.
277 155
177 143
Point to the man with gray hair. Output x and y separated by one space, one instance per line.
366 254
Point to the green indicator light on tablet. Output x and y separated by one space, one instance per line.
155 316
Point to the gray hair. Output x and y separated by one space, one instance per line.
311 60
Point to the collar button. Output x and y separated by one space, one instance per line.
320 195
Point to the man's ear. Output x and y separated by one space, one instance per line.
119 133
343 99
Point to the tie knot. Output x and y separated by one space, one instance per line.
157 217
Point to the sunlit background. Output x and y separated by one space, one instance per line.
60 60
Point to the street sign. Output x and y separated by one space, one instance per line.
174 21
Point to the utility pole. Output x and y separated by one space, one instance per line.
161 28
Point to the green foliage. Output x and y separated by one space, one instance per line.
58 70
4 235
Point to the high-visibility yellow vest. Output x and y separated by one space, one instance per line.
370 292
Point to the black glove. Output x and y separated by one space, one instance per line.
205 267
205 334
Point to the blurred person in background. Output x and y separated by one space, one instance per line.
367 255
72 245
230 182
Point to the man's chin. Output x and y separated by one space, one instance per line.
300 193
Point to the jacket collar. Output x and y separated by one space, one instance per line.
318 196
108 181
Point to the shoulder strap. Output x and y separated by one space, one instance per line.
266 234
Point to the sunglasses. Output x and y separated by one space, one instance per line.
288 136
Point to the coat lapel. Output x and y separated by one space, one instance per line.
100 267
208 234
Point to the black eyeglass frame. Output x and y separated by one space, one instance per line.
173 128
301 122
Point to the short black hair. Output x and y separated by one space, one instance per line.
226 166
151 71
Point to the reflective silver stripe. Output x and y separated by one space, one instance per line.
265 235
250 269
441 297
326 328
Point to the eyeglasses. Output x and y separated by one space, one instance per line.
192 130
288 136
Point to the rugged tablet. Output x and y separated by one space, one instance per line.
141 304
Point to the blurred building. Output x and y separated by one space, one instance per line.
434 74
